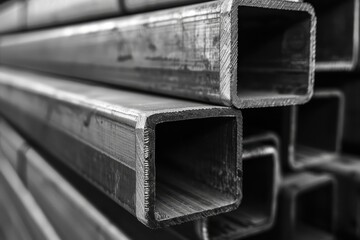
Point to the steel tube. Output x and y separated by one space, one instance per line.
256 214
346 170
40 13
309 133
139 149
12 16
338 32
20 210
349 85
307 208
205 52
72 214
317 129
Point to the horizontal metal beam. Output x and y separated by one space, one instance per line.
41 13
32 14
209 52
161 159
71 213
21 217
338 32
149 5
12 16
346 171
309 134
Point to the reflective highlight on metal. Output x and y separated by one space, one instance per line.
309 134
209 52
21 218
62 203
112 138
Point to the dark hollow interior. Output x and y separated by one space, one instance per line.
273 52
195 166
314 213
256 207
258 189
317 125
335 29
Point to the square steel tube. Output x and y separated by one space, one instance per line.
307 207
256 214
12 16
19 210
41 13
151 154
346 170
309 133
209 52
72 214
349 85
317 129
338 32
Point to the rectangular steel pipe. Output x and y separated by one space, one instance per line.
308 207
40 13
209 52
162 159
309 133
349 85
346 170
72 214
21 218
256 214
12 16
318 128
338 32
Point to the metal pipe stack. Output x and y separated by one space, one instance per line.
179 119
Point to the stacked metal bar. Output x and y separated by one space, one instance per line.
198 117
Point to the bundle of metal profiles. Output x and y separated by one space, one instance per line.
52 190
179 119
201 52
164 160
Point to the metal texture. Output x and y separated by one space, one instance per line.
165 160
41 13
210 52
12 16
149 5
349 85
307 208
317 129
346 170
20 210
309 133
337 40
256 214
63 204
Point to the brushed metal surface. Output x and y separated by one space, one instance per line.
40 13
109 137
209 52
22 211
72 214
